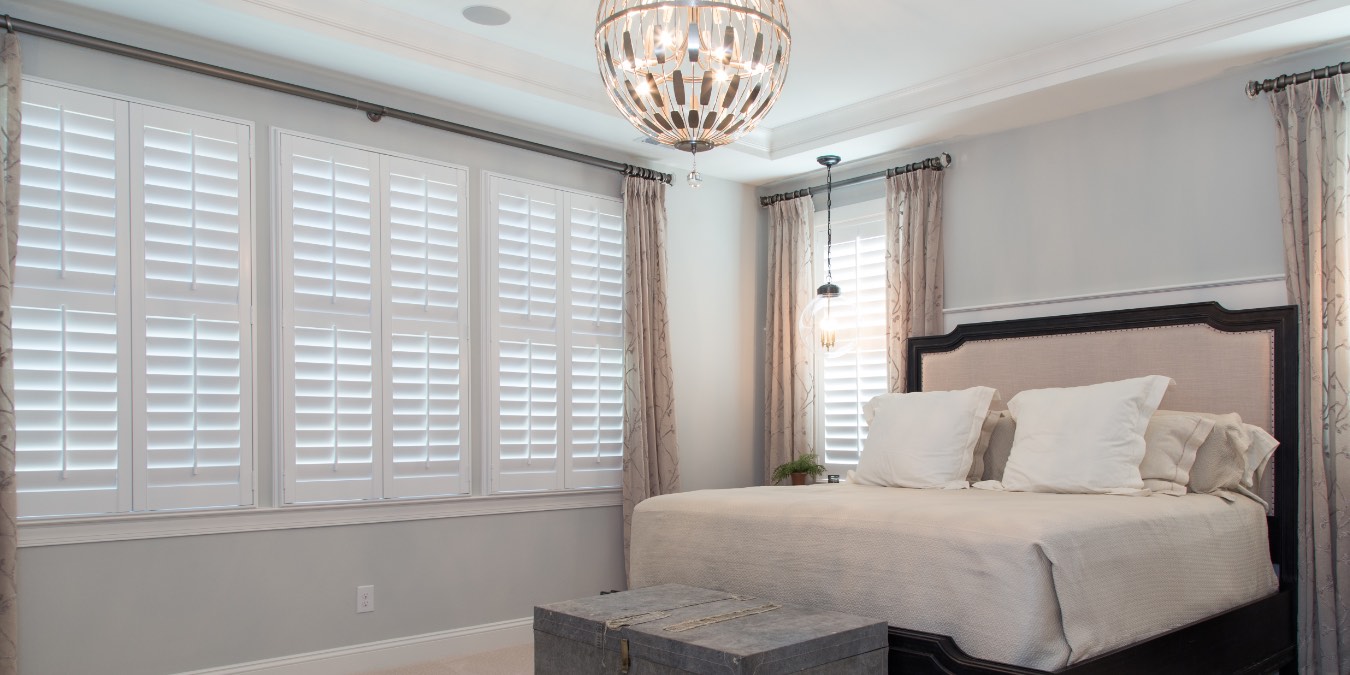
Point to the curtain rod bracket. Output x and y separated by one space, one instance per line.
375 115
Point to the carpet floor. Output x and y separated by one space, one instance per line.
517 660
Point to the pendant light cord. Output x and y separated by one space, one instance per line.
829 224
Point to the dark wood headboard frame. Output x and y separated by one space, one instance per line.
1283 525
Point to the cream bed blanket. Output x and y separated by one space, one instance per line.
1035 580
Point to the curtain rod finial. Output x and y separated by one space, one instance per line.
1253 89
944 160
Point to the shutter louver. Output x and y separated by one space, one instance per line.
193 380
334 418
330 302
852 379
70 325
425 437
557 355
528 417
527 255
68 411
424 393
597 417
70 213
196 438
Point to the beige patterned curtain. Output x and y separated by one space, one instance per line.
651 458
913 264
1311 161
9 223
789 378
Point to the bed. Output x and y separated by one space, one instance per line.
973 581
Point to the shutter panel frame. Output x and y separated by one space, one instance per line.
569 345
346 335
63 268
195 186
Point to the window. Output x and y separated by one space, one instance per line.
849 380
134 326
372 341
132 307
556 355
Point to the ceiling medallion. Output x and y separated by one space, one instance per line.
693 74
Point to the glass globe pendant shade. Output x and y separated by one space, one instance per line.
823 325
693 74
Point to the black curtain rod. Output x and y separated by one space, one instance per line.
1255 87
938 163
373 111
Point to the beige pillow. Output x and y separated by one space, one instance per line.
1171 442
1005 428
1000 446
1221 461
982 446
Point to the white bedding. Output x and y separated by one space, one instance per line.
1036 580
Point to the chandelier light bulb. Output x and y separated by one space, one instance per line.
693 74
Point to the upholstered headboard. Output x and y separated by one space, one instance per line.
1243 361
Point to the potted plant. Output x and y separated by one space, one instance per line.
798 469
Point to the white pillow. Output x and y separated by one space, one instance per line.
1082 439
922 439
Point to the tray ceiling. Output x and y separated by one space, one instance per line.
868 77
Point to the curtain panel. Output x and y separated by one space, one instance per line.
9 223
789 375
651 459
913 265
1311 165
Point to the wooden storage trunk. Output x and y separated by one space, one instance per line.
664 630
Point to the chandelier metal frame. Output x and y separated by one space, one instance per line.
693 74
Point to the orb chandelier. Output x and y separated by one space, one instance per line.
693 74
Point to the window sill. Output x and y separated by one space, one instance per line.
187 524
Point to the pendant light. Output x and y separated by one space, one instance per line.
693 74
819 323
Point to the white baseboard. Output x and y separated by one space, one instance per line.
390 653
1245 293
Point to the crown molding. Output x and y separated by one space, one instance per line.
388 31
1147 37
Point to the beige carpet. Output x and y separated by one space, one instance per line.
518 660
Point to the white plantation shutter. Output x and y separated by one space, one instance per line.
556 359
527 338
70 313
191 219
330 296
424 388
595 247
850 380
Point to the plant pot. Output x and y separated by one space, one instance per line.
799 478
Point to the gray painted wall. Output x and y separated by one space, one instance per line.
1174 189
170 605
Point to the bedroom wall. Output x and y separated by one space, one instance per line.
185 603
1173 194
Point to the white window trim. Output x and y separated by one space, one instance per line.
246 268
127 527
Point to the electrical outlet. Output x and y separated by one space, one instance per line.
365 599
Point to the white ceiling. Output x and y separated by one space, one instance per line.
867 77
